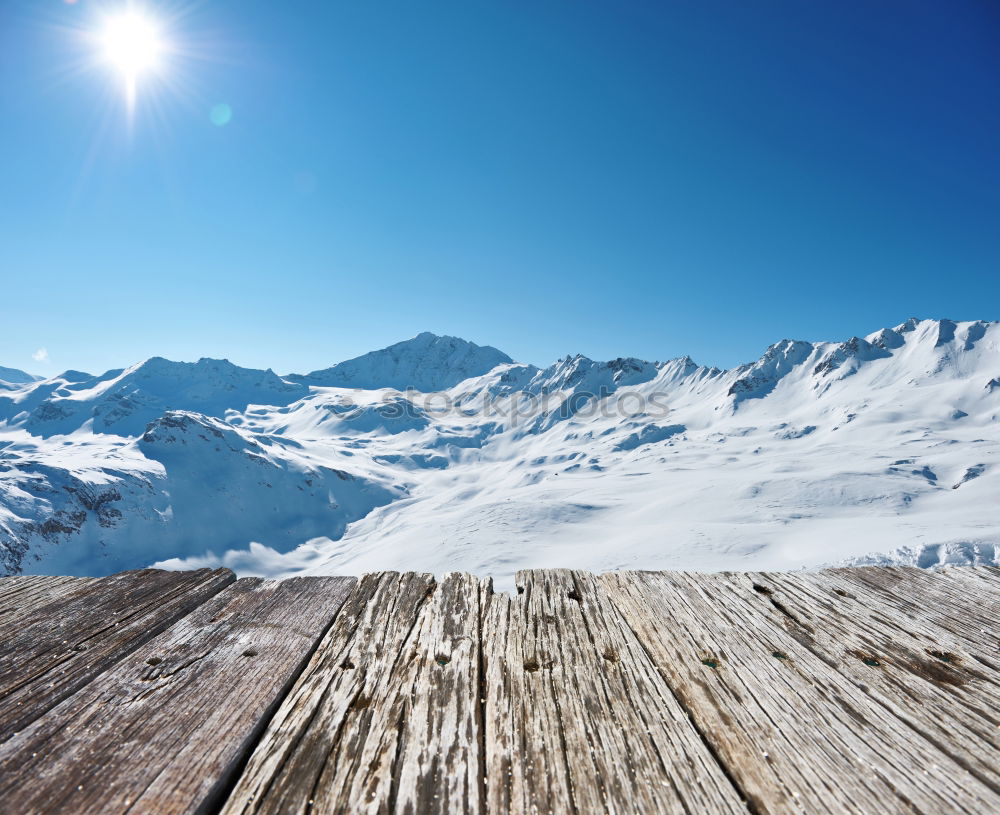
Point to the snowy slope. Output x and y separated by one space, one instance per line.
94 504
878 449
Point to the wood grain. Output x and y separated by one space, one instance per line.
65 643
20 596
385 717
927 677
438 761
941 598
167 728
870 690
577 717
795 733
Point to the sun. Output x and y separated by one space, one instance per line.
131 43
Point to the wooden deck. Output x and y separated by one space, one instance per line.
868 690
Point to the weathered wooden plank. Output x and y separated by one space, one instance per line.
921 673
165 730
385 717
980 588
20 581
21 596
438 764
794 732
65 643
750 685
991 574
577 717
970 590
939 598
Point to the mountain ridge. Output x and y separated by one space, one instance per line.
427 362
469 360
15 376
883 446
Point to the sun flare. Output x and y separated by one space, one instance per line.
132 44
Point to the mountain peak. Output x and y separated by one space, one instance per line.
427 362
15 376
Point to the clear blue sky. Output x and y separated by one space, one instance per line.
611 178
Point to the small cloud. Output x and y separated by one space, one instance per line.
41 355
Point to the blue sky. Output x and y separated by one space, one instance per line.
550 177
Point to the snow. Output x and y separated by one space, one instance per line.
878 449
13 377
426 363
124 402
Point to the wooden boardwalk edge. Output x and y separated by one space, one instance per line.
844 690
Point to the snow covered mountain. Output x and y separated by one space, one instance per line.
437 454
123 402
15 377
426 363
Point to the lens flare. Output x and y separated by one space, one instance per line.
221 114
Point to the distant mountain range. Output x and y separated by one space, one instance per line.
438 454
